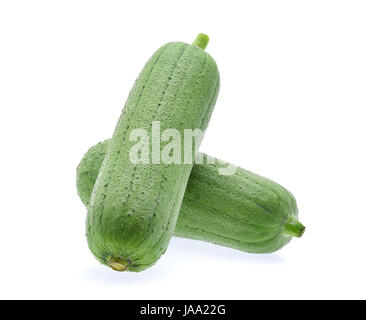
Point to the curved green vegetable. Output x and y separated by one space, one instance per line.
134 207
243 211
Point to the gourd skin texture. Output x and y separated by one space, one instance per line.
134 207
243 211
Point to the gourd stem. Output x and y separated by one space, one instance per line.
201 41
294 228
117 264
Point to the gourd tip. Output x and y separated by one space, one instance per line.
201 41
294 228
117 264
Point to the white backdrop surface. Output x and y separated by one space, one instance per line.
291 108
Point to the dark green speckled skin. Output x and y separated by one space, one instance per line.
133 209
243 211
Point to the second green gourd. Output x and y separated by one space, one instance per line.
243 211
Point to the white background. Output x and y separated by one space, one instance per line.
291 108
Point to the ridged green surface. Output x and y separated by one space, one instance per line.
133 208
243 211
